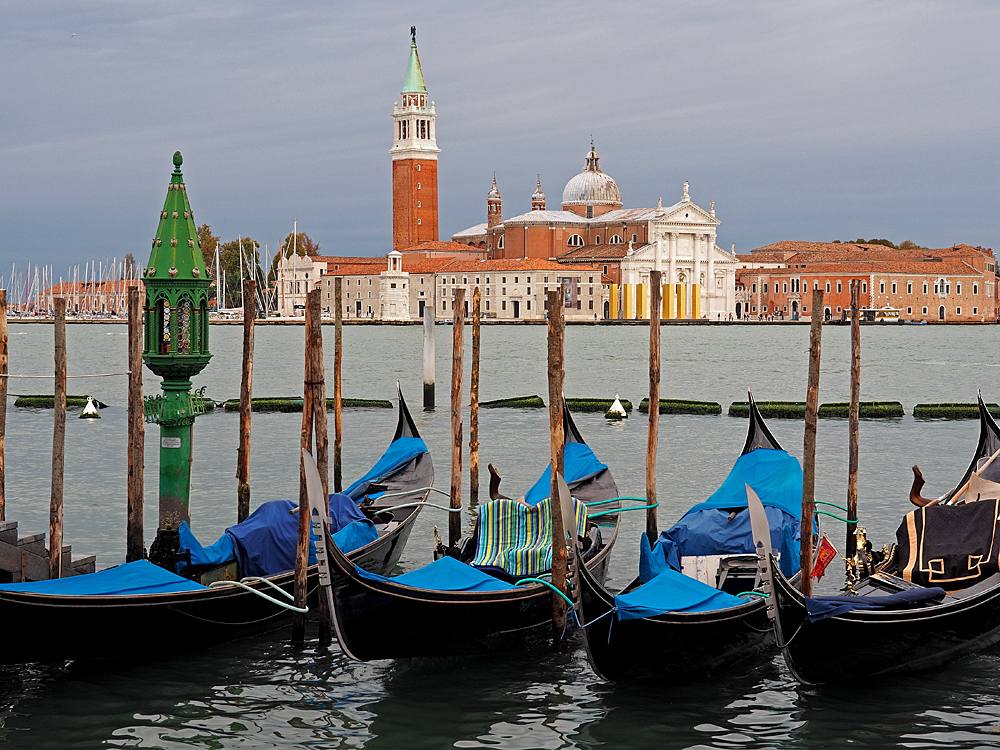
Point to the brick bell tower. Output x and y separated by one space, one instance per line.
414 160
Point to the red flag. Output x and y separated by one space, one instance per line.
827 554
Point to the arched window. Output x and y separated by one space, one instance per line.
575 240
615 240
184 327
598 240
500 243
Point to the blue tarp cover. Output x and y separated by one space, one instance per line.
355 536
822 607
579 463
399 453
671 591
266 541
446 574
220 553
140 577
706 528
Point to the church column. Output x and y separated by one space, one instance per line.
672 275
710 277
696 279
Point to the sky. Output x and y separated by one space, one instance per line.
802 120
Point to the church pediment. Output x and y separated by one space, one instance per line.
687 213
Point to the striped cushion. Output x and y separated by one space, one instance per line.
517 538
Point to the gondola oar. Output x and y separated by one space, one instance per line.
319 515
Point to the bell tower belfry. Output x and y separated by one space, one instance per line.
414 160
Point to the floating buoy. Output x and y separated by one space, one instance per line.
90 410
617 411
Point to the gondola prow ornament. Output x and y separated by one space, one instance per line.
175 348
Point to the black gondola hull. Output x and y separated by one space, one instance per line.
671 644
871 643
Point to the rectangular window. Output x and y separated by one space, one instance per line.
765 290
894 287
815 285
924 309
754 288
605 270
591 304
864 287
764 308
503 306
909 310
465 279
839 289
515 279
444 304
958 310
925 292
975 311
785 288
529 290
828 287
529 304
958 288
487 304
881 287
527 280
635 238
975 289
504 280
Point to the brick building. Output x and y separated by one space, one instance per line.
950 284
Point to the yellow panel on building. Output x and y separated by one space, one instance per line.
613 307
696 301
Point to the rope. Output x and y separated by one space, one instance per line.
411 505
261 594
270 583
413 492
834 505
524 581
754 593
634 507
599 617
824 513
605 502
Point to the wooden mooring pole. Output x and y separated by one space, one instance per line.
428 357
474 404
318 386
135 546
557 442
338 396
853 422
809 444
457 361
3 401
305 442
58 444
246 391
655 311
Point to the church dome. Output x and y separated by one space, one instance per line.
592 187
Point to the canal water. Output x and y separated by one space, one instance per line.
262 693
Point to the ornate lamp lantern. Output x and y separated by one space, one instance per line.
176 349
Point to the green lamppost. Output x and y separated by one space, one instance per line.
176 349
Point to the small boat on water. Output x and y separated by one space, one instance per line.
484 595
934 600
696 606
139 608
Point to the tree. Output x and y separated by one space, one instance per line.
229 264
300 244
208 242
129 270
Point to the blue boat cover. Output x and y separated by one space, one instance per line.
670 591
822 607
446 574
399 453
579 463
517 538
267 540
706 529
139 577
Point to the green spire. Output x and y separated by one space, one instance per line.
176 253
414 81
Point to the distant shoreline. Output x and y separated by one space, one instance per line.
493 322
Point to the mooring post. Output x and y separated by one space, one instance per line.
135 545
474 403
305 442
428 357
318 387
3 401
853 422
338 396
557 441
655 310
58 444
457 361
246 391
809 444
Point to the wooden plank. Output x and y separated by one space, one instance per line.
557 442
135 544
338 394
655 309
474 403
457 361
246 392
809 444
3 400
58 442
853 422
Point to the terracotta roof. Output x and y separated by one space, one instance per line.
338 259
358 269
428 265
850 250
595 252
864 268
512 264
438 247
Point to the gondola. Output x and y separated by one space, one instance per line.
139 608
451 607
666 623
937 602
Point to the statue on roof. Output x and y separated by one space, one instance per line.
686 198
413 34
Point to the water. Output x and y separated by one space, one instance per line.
263 693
